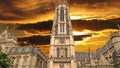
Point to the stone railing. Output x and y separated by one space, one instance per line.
61 58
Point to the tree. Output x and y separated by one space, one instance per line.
4 60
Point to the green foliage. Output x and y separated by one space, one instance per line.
4 60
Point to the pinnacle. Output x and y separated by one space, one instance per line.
119 28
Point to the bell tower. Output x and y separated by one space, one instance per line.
62 51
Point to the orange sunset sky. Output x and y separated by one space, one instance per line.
31 21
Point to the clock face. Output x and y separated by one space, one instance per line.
62 40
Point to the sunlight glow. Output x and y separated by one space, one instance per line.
84 32
75 17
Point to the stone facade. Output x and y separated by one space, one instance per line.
21 56
7 41
27 57
62 51
106 57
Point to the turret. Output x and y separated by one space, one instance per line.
116 39
7 40
62 23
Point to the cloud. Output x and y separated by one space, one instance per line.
78 25
80 37
43 40
42 26
36 40
20 10
97 40
32 11
95 25
95 4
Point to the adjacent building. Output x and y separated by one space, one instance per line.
21 56
7 40
106 57
27 57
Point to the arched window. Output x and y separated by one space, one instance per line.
12 60
57 16
24 62
67 16
66 52
62 15
17 62
58 52
61 27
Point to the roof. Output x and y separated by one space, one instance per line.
116 34
26 49
7 35
84 55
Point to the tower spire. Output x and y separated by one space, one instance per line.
7 26
119 28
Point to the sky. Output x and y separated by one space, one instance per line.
93 21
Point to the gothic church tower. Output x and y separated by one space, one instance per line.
62 51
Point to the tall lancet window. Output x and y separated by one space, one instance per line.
58 52
67 15
57 16
61 27
62 15
66 52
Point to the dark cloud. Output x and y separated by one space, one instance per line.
23 9
79 25
95 25
45 25
96 3
19 10
90 1
80 37
39 40
44 40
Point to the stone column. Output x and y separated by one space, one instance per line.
50 64
73 64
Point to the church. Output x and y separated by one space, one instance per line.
62 50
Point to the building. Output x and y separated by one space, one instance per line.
106 57
62 51
27 57
7 40
21 56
